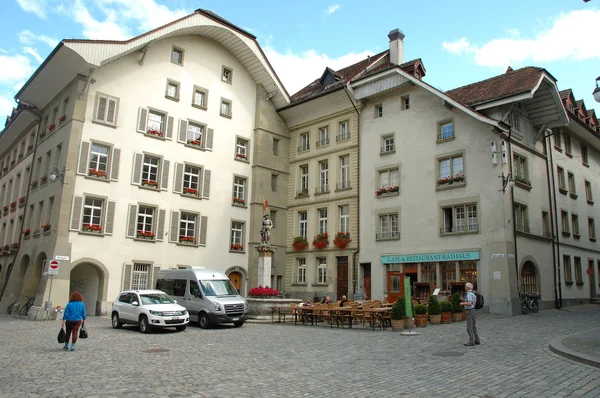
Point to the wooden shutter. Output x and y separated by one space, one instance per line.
114 164
197 229
183 125
164 179
203 230
174 231
155 271
84 153
136 176
209 139
170 121
160 224
142 120
101 109
76 213
131 220
111 114
110 217
126 282
206 184
178 179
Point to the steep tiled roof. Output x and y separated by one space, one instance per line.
501 86
385 64
564 94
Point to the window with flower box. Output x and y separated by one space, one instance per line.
521 171
237 236
388 227
92 214
239 191
99 160
145 222
321 271
241 149
150 171
451 171
200 98
195 134
226 108
192 180
105 110
301 270
155 123
388 182
459 219
185 227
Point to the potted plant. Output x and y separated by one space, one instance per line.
446 312
321 241
150 183
239 201
456 308
341 240
94 228
188 240
420 315
155 132
46 227
237 247
96 173
190 191
62 118
197 143
435 310
398 314
300 243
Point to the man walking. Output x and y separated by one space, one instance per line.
469 305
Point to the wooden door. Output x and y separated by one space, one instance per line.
342 277
367 287
236 279
395 286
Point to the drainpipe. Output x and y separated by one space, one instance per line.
550 190
554 211
33 110
354 265
512 206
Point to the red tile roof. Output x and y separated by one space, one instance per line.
497 87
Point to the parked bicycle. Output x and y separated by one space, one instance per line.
10 308
25 308
529 303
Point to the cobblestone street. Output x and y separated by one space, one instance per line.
283 360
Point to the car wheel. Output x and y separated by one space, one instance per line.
203 320
180 328
144 326
238 324
116 323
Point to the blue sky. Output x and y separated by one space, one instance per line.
460 42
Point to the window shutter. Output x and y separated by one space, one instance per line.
126 284
76 213
206 184
178 180
170 121
203 230
142 120
136 176
110 217
84 152
111 115
160 227
131 220
155 271
101 110
209 139
114 164
174 232
164 179
183 125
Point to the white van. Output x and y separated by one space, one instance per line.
207 294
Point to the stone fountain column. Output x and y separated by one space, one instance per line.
265 259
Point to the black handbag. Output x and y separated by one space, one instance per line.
62 336
83 334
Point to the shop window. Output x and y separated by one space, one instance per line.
468 272
448 274
428 273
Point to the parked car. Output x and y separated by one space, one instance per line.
148 309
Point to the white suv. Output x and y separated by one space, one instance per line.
148 309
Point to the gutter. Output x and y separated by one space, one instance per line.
554 217
512 206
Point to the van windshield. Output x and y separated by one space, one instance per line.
218 288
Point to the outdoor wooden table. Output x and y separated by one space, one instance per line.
335 312
307 312
278 308
379 312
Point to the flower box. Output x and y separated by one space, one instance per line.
239 202
36 233
13 206
300 243
238 247
147 235
5 169
195 143
190 191
150 183
43 179
51 127
188 240
341 240
20 156
155 133
387 190
46 227
321 241
5 209
93 228
14 247
29 148
13 162
97 173
34 184
241 156
5 248
451 180
263 292
62 118
26 232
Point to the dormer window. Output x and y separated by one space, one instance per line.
513 120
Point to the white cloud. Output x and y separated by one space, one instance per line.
38 7
145 13
94 29
33 53
28 38
3 51
6 105
331 9
298 70
552 44
14 68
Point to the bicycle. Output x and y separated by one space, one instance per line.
25 309
9 309
529 303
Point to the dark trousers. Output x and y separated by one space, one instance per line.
72 330
471 327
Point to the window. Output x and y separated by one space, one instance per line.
275 147
388 227
344 133
54 115
521 218
302 223
225 108
575 225
448 273
191 180
388 182
588 193
274 182
322 271
462 218
451 170
237 229
303 180
301 267
564 217
200 97
514 121
428 272
187 228
572 190
388 144
592 229
520 169
65 106
241 149
528 279
322 221
177 56
150 171
344 172
273 217
155 123
557 138
468 272
446 131
140 277
378 111
405 103
344 218
567 140
578 270
584 156
304 142
92 214
323 136
546 224
172 91
239 191
98 166
323 176
227 75
194 134
145 222
562 186
105 110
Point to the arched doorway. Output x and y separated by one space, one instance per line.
88 279
529 278
237 276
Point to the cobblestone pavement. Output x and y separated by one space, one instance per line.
283 360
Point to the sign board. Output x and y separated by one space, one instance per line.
497 255
53 267
436 291
65 258
429 257
359 297
497 275
590 271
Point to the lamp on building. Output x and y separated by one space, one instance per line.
57 173
596 92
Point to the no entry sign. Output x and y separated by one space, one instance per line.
53 267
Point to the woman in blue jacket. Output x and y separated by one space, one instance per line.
74 317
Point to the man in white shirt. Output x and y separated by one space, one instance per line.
469 305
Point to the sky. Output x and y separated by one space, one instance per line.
459 42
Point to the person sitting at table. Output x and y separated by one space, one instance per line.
308 303
326 300
344 300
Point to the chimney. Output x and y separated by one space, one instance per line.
396 46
